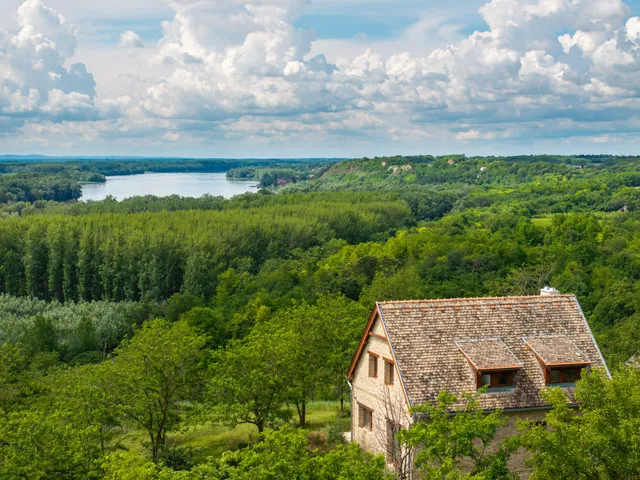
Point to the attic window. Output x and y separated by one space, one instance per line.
389 370
563 375
497 379
373 365
493 364
562 361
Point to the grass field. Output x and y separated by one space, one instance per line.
210 441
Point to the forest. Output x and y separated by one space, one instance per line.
183 338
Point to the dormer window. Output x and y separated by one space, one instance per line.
560 359
564 375
497 379
491 361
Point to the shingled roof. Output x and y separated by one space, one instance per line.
429 339
555 350
488 354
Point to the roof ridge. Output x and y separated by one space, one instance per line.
466 299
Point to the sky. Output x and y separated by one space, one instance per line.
319 78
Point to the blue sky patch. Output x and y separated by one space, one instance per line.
348 26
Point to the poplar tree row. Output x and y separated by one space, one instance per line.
154 255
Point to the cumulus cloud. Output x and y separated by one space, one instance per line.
518 70
34 79
130 39
242 67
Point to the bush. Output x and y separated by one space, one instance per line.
335 434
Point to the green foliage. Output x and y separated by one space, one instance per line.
12 364
280 454
139 256
180 303
443 441
320 341
72 329
599 440
62 432
285 454
154 373
40 445
208 322
270 294
27 187
42 337
247 384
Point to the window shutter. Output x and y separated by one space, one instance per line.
360 416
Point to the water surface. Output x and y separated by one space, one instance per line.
165 184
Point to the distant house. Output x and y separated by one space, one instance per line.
410 351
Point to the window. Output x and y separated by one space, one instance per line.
496 379
365 417
373 365
388 372
563 375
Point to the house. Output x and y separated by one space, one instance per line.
410 351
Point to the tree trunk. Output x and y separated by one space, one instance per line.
154 448
154 453
302 413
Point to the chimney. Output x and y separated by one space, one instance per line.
547 291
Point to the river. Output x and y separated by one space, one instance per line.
165 184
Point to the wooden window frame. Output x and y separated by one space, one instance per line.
562 371
361 410
495 374
373 361
389 372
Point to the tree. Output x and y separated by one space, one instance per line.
63 431
153 372
306 363
42 337
598 440
208 322
248 382
445 437
180 303
323 339
12 364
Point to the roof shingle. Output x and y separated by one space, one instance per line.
556 350
488 353
423 336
